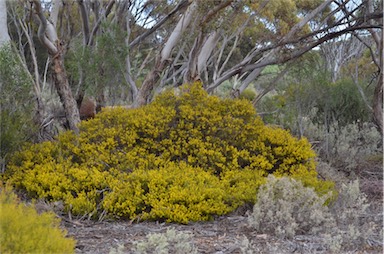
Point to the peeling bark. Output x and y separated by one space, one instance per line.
178 31
64 91
153 76
377 57
47 35
149 84
206 51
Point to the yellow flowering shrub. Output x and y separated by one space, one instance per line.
181 158
23 230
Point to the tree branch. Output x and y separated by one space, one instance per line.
43 27
84 18
180 6
98 22
214 11
243 67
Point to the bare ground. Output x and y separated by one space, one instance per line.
221 236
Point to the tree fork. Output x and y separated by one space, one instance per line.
149 83
48 37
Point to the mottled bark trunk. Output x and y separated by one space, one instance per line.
378 104
64 91
48 37
147 87
377 58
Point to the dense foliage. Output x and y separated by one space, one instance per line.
183 157
23 230
16 104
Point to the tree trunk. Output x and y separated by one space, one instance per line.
48 37
378 104
377 58
64 91
4 36
149 83
165 57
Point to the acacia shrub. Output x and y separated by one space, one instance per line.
23 230
183 157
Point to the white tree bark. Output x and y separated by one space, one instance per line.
128 73
257 71
165 57
56 4
31 45
206 51
4 36
338 52
178 31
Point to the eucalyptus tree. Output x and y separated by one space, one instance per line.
4 36
338 52
47 35
288 30
146 45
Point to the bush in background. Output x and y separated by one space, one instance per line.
350 148
332 115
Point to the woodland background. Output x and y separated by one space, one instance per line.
298 61
313 67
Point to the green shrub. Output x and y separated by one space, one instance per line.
248 94
181 158
16 105
25 231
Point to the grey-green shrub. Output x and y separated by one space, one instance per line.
346 147
171 241
285 207
354 144
354 226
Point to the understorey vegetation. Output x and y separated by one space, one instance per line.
182 158
289 153
23 230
